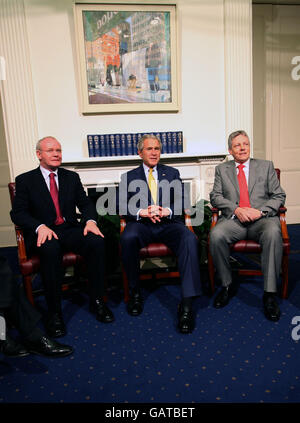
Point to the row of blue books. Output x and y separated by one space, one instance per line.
126 144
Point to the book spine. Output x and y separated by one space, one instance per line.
112 145
134 143
102 146
158 135
118 144
164 142
169 142
107 145
123 145
96 146
90 142
174 143
179 142
129 144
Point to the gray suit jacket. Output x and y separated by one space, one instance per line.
264 188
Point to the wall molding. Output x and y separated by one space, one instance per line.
17 94
238 65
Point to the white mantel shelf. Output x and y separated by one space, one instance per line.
196 170
119 161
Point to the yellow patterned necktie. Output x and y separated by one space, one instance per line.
152 185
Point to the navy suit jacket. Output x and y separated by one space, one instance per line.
134 193
33 204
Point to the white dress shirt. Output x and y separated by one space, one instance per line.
155 176
246 172
147 170
46 173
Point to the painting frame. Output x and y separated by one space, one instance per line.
134 75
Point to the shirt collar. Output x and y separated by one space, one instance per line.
246 164
147 168
46 172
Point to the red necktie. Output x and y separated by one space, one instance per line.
244 194
54 194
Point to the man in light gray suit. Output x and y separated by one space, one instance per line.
248 193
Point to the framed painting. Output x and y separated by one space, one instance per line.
128 57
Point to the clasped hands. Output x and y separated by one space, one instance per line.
45 233
155 213
247 214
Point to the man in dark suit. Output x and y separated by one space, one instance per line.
156 216
248 193
17 310
45 207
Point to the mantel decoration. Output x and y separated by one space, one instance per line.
127 56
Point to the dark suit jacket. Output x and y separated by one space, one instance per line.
33 204
134 193
264 188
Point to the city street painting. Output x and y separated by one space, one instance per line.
127 57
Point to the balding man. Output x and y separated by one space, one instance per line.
45 208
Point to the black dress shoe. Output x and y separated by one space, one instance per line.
12 348
135 304
223 297
55 326
186 322
48 347
271 308
103 313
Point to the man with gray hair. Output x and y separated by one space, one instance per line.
45 207
151 198
248 193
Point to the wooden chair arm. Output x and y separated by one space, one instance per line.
122 224
19 232
188 221
214 217
20 244
284 231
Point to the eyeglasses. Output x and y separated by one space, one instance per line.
51 150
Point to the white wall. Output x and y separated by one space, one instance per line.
51 38
39 95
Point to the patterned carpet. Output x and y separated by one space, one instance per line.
234 354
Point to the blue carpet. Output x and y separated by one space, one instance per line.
234 354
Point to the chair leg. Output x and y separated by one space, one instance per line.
27 282
285 276
211 272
